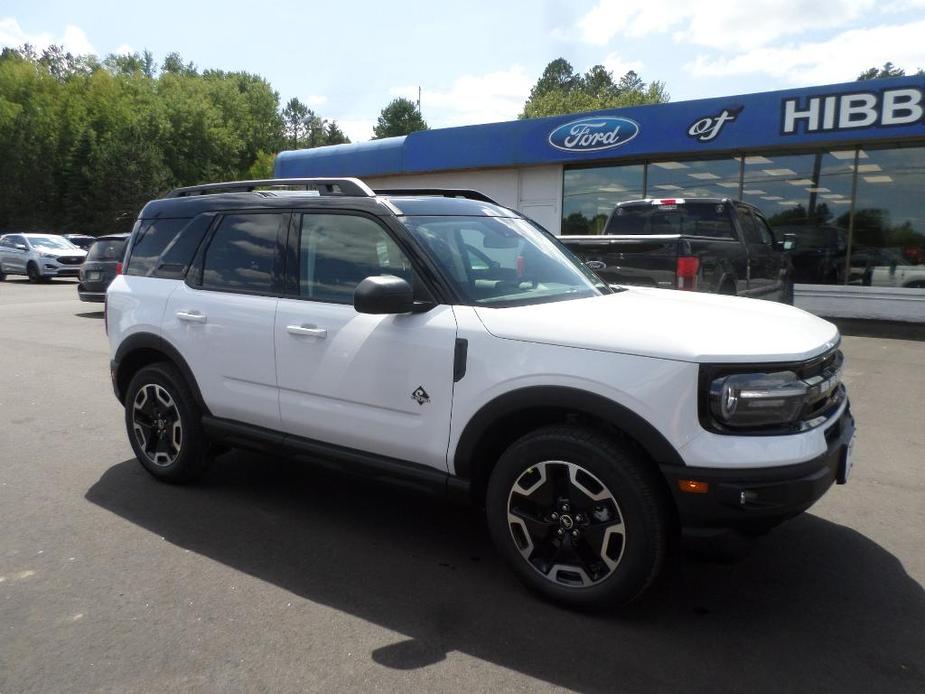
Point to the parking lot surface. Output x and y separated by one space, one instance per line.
271 576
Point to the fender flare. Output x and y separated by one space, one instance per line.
559 397
150 341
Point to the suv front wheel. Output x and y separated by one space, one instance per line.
163 423
579 516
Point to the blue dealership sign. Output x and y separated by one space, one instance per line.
887 110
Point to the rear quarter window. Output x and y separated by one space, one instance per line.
165 247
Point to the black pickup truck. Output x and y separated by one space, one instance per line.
697 244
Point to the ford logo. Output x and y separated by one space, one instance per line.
593 134
596 265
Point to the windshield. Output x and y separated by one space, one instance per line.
496 261
51 242
107 249
688 218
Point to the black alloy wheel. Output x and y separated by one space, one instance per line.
32 272
566 523
581 516
156 424
164 426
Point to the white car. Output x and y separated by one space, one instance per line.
449 343
909 276
40 257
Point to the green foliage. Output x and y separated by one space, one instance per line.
561 90
84 143
400 117
888 70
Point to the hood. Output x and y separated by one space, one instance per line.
669 324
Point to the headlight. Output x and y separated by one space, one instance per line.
48 255
744 401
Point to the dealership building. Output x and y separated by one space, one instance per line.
840 169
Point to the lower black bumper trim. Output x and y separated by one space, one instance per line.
754 499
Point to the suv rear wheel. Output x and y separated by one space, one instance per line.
578 516
163 423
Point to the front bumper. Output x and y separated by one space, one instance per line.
55 270
755 499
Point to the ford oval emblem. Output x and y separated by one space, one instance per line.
593 134
596 265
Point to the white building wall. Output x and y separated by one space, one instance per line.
536 191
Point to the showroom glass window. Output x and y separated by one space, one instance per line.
888 240
704 178
807 200
589 195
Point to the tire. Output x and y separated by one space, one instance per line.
728 289
163 423
2 274
564 479
32 272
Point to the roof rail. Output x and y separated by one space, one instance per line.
442 192
351 187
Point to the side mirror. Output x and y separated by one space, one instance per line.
21 246
383 294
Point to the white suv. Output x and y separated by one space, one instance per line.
445 341
39 256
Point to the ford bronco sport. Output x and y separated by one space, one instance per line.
440 339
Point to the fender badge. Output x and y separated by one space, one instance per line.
420 396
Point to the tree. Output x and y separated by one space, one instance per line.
561 90
173 63
400 117
334 135
559 75
888 70
294 116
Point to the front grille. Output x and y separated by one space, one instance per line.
70 259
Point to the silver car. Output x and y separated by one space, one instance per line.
40 257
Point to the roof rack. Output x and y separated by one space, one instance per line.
441 192
350 187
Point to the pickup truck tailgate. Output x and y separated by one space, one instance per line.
646 261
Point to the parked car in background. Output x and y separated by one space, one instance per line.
41 257
81 240
865 259
712 245
818 252
103 263
906 276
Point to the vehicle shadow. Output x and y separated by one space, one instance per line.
90 314
814 606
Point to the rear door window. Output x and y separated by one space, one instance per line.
243 255
747 222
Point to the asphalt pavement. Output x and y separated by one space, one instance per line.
271 576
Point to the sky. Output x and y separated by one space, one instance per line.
475 61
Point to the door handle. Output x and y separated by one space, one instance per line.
310 330
191 316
